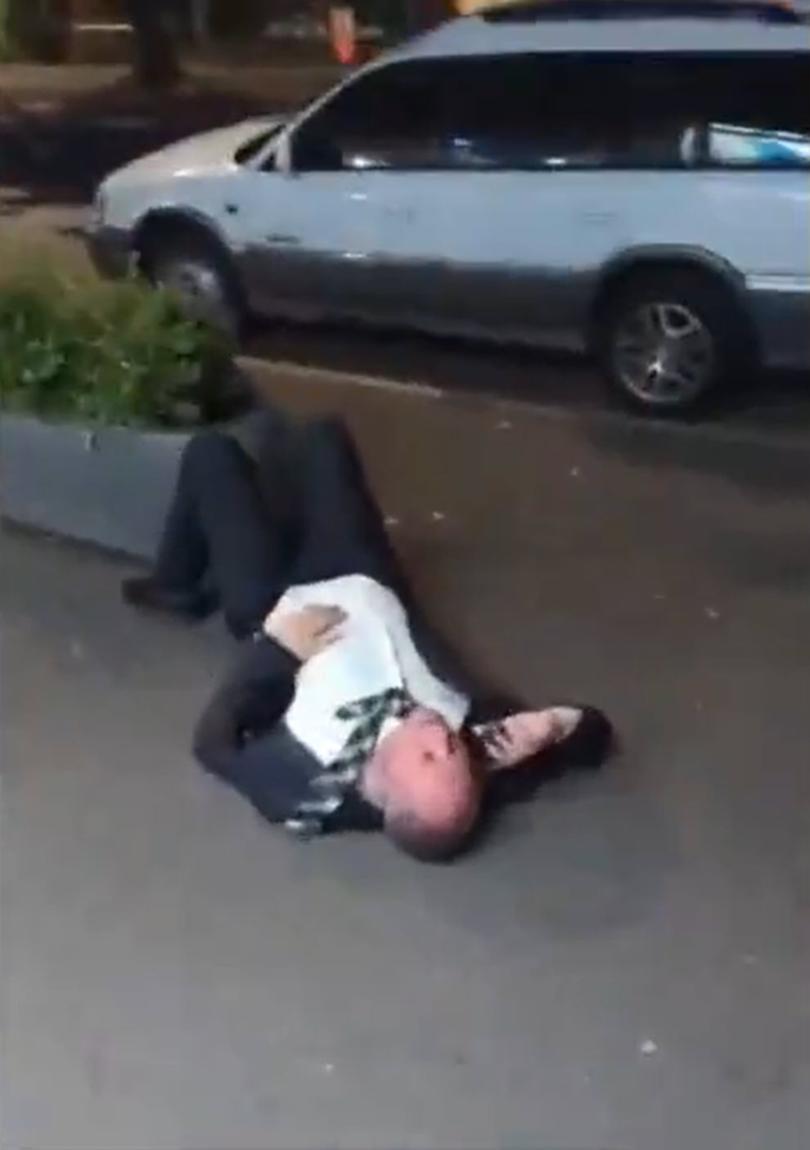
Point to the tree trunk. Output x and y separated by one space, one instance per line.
156 59
200 20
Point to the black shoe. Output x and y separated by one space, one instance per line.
145 593
589 745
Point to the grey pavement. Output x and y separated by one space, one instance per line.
624 966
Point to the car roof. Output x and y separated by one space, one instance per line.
615 26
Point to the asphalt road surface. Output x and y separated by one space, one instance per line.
774 405
623 966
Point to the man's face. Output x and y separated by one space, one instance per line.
425 766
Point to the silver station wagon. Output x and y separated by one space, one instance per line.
624 179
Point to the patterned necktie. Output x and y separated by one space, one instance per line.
368 716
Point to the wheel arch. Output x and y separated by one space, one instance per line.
664 258
177 221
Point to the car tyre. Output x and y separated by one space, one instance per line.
199 274
669 342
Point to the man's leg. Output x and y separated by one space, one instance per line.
343 533
218 522
341 528
182 555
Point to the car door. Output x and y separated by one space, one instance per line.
295 243
315 236
393 211
463 216
539 171
524 218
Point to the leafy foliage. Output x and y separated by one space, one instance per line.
119 354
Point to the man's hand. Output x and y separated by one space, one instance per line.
307 632
516 738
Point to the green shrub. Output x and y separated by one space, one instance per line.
121 354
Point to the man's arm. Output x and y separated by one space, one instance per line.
241 739
240 736
521 750
250 702
260 690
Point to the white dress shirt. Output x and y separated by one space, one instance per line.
374 653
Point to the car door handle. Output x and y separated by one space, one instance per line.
281 240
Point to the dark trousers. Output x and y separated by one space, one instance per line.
301 514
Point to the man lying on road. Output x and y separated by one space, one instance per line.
344 710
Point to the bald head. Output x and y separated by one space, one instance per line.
413 835
423 779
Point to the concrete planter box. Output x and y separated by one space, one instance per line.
108 486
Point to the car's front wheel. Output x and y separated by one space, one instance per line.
669 341
193 269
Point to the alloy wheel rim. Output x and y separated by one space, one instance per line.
664 354
198 286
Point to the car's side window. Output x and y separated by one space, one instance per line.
387 118
642 111
716 110
756 111
495 114
552 112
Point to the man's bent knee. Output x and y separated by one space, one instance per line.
207 450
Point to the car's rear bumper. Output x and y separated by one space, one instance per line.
781 309
110 250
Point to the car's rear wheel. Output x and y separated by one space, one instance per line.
669 341
191 266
